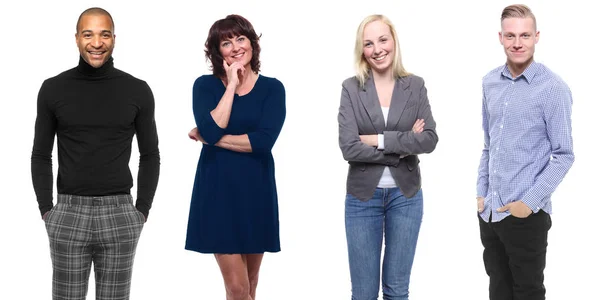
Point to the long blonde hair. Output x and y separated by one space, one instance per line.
361 64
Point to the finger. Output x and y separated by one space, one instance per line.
225 64
504 208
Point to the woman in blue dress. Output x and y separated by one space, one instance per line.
239 115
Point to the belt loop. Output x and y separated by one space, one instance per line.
117 198
69 200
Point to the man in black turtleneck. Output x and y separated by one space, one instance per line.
94 110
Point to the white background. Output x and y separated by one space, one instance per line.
308 45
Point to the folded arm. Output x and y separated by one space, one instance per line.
353 149
264 137
410 142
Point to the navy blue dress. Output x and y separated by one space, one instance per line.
234 201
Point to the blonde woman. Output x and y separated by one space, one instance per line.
385 121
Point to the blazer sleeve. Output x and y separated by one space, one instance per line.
410 143
353 149
204 101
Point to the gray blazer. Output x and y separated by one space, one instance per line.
360 113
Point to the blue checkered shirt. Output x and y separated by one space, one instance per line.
528 148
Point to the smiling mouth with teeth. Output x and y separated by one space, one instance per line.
380 58
238 55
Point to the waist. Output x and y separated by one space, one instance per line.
95 200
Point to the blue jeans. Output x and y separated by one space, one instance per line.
391 215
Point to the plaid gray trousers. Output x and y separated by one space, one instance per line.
103 230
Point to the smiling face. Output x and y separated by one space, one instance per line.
95 39
236 49
518 38
378 46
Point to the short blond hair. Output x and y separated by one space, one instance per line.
361 65
518 11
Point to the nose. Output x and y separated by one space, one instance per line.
96 42
236 47
376 49
517 43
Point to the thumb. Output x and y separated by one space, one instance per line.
504 208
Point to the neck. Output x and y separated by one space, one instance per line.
87 70
384 76
518 69
248 77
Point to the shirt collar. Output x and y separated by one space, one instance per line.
528 74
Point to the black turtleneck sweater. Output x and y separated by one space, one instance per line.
95 112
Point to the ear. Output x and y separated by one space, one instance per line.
537 36
500 36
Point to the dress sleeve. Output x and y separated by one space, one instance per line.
204 101
272 119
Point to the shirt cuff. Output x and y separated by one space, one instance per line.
380 142
532 204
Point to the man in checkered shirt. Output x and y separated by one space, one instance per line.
527 151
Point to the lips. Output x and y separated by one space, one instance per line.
238 55
96 54
380 58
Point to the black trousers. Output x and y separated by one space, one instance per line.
515 256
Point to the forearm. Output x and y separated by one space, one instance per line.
42 178
548 180
483 174
237 143
148 174
361 152
409 143
222 112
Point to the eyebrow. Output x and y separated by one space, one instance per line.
381 36
89 31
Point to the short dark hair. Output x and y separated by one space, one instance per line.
95 11
231 26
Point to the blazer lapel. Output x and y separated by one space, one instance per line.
370 101
400 97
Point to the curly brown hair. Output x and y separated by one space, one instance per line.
231 26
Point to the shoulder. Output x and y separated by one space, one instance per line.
351 83
207 81
556 88
61 77
272 82
130 79
550 77
413 81
55 84
493 74
269 86
493 79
